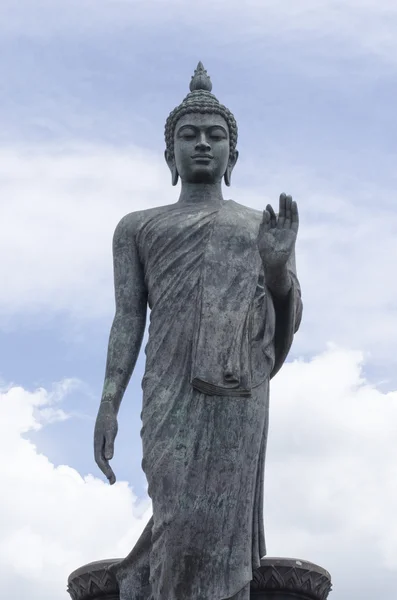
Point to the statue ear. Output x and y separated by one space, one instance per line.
175 175
170 160
230 166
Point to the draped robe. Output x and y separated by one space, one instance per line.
216 337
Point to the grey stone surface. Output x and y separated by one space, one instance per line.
275 579
220 281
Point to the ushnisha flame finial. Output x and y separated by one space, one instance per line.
200 79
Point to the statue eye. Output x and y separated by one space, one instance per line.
218 134
188 134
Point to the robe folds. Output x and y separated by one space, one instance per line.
216 337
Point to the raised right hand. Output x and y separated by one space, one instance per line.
277 234
104 435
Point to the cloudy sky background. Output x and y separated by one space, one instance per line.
86 87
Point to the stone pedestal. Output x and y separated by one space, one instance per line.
94 582
288 579
276 579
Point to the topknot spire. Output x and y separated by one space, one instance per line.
200 79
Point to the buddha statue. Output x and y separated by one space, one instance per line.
220 281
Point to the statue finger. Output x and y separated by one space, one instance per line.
101 461
288 212
109 448
273 217
281 213
106 469
98 445
265 224
294 216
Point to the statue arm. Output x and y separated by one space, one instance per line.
279 280
124 342
298 306
128 326
284 286
288 312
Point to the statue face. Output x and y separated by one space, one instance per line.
201 148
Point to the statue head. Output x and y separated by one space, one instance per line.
201 135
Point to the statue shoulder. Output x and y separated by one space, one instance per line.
131 223
252 214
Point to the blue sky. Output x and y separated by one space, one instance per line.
86 88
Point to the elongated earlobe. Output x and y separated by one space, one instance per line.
170 160
231 164
227 176
174 175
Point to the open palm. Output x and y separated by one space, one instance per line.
277 234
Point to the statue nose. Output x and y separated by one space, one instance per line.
203 145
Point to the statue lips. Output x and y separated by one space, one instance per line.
203 158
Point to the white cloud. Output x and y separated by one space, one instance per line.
331 481
60 210
52 520
29 411
331 487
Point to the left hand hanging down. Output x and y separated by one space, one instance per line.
277 234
